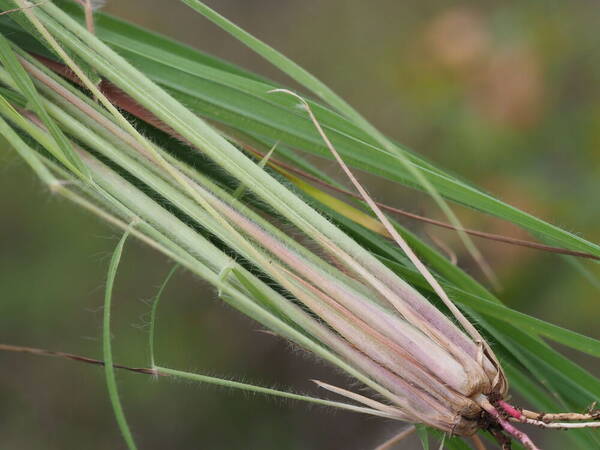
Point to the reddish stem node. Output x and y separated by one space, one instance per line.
522 437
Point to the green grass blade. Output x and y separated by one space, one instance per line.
270 54
420 176
109 370
19 22
45 139
311 82
152 331
266 391
178 69
27 153
25 85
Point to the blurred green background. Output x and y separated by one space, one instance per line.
502 93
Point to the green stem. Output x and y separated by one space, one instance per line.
109 369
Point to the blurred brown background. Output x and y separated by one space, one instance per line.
504 94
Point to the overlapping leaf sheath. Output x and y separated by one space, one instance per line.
433 369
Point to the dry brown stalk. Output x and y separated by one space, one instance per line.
78 358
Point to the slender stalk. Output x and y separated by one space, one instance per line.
109 369
390 443
550 421
167 372
152 330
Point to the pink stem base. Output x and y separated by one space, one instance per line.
507 426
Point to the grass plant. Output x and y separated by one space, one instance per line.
158 140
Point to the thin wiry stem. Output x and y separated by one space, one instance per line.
166 372
593 414
558 425
543 421
387 445
74 357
